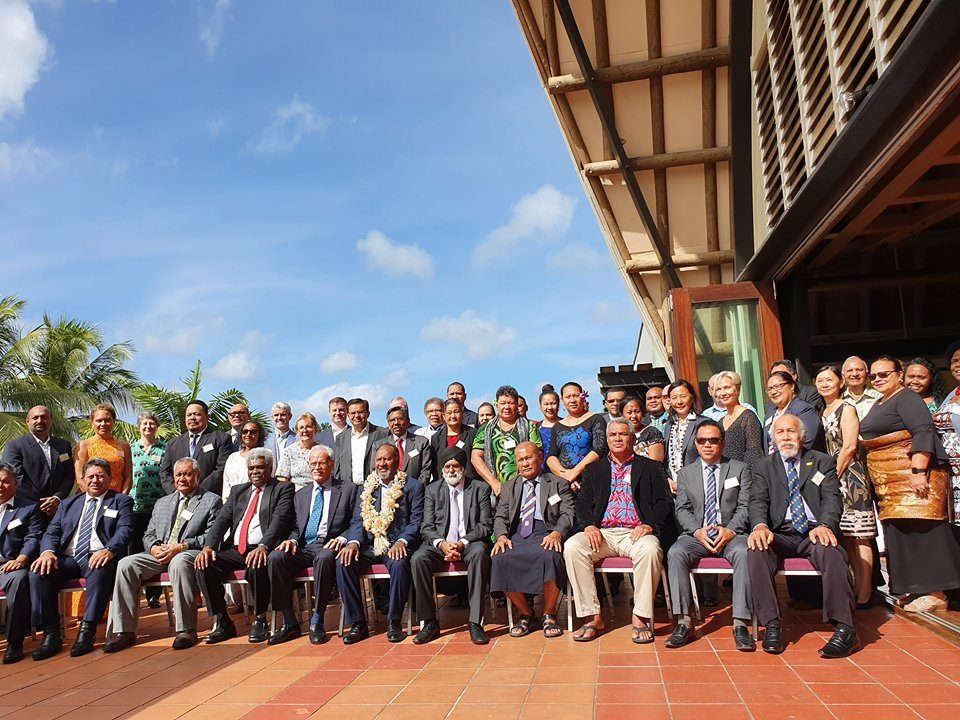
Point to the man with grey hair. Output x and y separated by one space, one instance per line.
256 518
282 436
795 509
324 510
855 390
172 542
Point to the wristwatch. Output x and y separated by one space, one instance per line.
918 471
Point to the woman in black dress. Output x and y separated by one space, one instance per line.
742 430
648 441
907 465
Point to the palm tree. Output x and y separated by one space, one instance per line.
170 406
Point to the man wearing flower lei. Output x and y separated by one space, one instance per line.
385 528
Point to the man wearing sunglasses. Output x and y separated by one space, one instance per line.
712 510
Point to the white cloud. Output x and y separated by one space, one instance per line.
338 362
575 257
213 17
383 254
23 51
25 159
374 393
605 312
481 337
397 378
291 123
215 126
544 214
244 363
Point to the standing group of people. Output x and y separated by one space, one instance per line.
527 506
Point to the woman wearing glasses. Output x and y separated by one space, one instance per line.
907 465
782 391
235 471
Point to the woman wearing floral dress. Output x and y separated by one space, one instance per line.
947 421
578 439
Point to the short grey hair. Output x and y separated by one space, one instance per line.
620 421
194 465
732 375
322 448
281 406
7 468
261 454
147 415
801 428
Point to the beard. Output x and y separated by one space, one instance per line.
454 479
385 475
788 450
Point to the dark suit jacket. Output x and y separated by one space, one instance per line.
470 418
276 515
689 446
768 491
439 442
406 519
343 501
35 479
213 449
651 495
417 456
557 516
810 418
114 528
734 500
204 506
477 514
807 393
343 460
325 437
24 537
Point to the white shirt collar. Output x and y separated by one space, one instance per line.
362 433
705 465
41 443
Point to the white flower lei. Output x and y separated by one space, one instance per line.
377 523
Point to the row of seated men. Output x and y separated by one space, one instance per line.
543 537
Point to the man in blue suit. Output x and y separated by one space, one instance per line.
385 528
21 527
86 538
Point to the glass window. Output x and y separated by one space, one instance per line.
727 337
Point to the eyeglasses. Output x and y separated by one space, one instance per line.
778 387
234 413
707 441
249 432
882 374
318 464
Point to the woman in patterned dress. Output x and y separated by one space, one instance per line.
495 442
648 440
947 421
578 439
292 464
858 521
146 454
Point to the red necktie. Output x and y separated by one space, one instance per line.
400 452
247 518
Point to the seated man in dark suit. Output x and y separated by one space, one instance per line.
795 509
324 512
209 447
258 515
43 464
86 538
178 524
624 509
414 450
712 511
534 515
386 528
21 527
457 522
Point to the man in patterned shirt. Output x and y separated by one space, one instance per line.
624 509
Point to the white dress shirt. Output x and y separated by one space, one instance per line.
254 532
358 449
46 449
456 496
95 542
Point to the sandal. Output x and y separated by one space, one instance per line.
642 635
587 632
925 603
551 628
523 626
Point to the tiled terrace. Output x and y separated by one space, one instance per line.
904 671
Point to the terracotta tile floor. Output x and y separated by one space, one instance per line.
904 671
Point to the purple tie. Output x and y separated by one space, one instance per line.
528 507
453 533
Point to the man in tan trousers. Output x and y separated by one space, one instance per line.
623 509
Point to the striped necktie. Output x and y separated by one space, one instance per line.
798 517
528 508
711 516
178 521
81 552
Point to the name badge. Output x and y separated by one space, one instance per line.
14 524
817 478
413 453
731 483
509 444
460 444
208 447
553 499
186 514
110 513
64 457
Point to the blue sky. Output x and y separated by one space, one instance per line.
312 198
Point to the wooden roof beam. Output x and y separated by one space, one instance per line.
660 161
934 190
711 258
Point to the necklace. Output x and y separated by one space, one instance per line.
377 523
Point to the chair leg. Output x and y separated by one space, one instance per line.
168 604
569 609
666 591
606 588
509 613
410 612
340 629
696 599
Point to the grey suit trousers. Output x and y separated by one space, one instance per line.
684 554
427 558
134 570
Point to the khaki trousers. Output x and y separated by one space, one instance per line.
647 557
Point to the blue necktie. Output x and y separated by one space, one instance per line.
81 552
316 515
193 443
710 511
798 518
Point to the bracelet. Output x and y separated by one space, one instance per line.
918 471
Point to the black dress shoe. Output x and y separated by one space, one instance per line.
224 630
844 642
358 632
51 645
318 636
185 639
681 635
85 638
153 602
772 638
429 631
743 640
119 641
395 632
284 634
258 629
14 653
478 636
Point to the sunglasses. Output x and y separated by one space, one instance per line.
707 441
882 374
249 432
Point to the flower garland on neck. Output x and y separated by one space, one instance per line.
377 523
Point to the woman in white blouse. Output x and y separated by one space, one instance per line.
235 471
292 465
